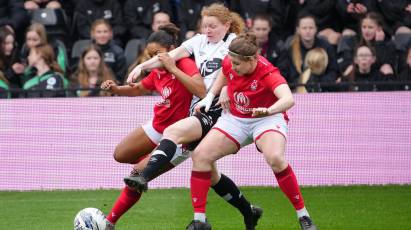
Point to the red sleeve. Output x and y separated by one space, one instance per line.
226 65
273 79
148 82
188 66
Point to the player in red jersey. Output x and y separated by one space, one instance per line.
258 97
177 83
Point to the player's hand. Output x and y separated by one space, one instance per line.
205 102
168 63
260 112
134 74
224 100
108 85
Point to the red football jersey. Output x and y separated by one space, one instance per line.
176 100
253 90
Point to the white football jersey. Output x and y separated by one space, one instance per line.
208 57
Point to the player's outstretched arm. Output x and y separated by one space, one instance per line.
154 62
137 89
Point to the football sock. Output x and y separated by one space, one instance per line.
199 185
200 216
163 154
288 183
125 201
226 188
302 212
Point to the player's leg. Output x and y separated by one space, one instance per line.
135 145
183 131
214 146
228 190
272 145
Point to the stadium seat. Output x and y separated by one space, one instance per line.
132 50
402 41
78 47
55 21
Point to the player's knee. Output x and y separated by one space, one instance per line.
119 155
173 134
200 156
276 160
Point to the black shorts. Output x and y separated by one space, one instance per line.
207 121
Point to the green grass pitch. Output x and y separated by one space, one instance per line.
352 207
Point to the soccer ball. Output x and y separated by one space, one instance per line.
90 219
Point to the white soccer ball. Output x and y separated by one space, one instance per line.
90 219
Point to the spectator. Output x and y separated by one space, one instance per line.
139 15
160 18
188 11
397 15
351 11
36 35
327 20
373 35
91 72
316 62
86 12
102 34
13 15
9 61
405 75
4 86
305 39
49 80
269 46
31 5
363 70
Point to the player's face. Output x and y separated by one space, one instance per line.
261 29
32 39
213 28
369 29
154 48
102 34
307 29
8 45
242 67
92 61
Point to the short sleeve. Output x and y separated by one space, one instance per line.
191 43
188 66
226 65
148 82
273 79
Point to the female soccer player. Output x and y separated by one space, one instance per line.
219 28
258 99
176 83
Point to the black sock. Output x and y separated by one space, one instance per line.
161 156
230 192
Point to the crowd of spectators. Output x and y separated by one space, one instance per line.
319 45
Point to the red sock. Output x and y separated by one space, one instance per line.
288 183
200 183
125 201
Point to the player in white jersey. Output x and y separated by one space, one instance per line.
258 100
219 28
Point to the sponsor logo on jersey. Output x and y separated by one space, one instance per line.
165 93
241 102
208 67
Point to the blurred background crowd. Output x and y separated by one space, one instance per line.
60 48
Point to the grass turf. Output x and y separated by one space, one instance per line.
352 207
